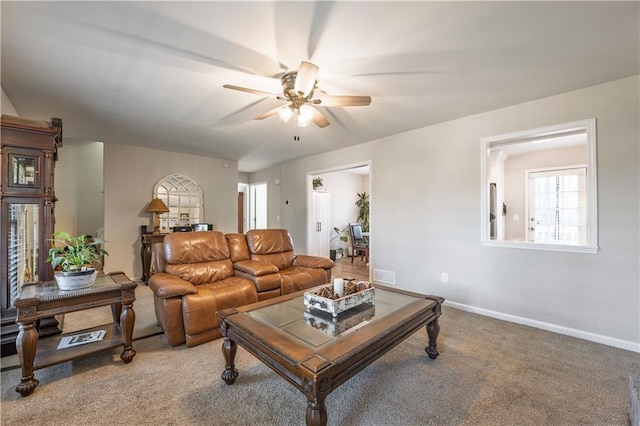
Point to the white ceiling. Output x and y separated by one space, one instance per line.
151 73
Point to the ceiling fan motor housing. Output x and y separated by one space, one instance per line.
288 81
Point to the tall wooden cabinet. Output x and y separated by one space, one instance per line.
28 150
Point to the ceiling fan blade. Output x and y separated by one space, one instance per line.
270 112
254 91
306 78
319 119
342 100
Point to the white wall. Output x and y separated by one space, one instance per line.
272 178
79 187
6 106
130 174
66 188
425 218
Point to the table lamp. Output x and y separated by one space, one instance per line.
156 206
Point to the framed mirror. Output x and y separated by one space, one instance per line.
539 188
184 198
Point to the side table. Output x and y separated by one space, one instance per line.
45 299
148 240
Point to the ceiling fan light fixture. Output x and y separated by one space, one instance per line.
305 115
298 92
285 113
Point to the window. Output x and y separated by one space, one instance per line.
184 198
557 206
539 189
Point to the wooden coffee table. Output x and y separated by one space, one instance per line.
316 354
45 299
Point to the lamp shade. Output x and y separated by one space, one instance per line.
285 113
305 115
157 206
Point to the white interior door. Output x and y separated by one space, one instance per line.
557 206
321 211
258 206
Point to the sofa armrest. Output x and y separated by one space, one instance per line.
255 268
306 261
166 285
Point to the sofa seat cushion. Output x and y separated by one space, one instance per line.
282 260
297 278
255 267
199 310
305 261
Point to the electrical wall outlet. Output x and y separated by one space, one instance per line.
445 277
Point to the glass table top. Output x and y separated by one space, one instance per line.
49 289
315 328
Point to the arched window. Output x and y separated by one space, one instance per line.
184 198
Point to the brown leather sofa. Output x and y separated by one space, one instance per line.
200 273
267 258
195 280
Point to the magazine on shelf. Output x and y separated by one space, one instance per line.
81 339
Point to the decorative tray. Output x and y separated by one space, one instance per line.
333 326
323 298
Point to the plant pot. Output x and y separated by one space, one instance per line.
75 280
332 255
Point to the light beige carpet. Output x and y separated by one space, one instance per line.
489 372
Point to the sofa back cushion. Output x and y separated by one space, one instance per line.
197 257
271 245
238 249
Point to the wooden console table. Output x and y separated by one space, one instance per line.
146 252
45 299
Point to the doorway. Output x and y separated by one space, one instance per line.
258 206
343 184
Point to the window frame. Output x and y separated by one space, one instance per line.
589 126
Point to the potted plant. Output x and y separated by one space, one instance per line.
339 233
363 210
74 261
317 182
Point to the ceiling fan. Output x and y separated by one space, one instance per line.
298 91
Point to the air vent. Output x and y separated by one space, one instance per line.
387 277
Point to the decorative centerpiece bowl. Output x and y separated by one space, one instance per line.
75 280
324 299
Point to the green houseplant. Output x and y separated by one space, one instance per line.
342 235
363 210
317 182
74 259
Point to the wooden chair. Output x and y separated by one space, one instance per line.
358 243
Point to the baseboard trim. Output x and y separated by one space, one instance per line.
597 338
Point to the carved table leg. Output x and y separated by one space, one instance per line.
229 348
127 321
316 413
145 253
26 344
433 328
